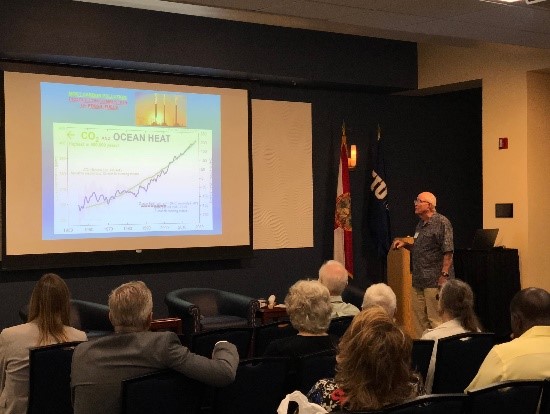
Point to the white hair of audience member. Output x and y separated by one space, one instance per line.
382 295
308 307
334 276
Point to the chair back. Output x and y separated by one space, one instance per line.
425 404
508 397
354 295
431 404
50 379
338 326
205 299
202 343
264 334
545 400
259 387
311 368
421 355
458 359
163 392
91 317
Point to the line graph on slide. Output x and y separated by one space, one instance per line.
97 199
117 179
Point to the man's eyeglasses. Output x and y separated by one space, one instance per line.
417 201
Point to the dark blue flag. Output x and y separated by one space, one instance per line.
378 214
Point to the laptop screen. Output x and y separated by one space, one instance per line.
484 239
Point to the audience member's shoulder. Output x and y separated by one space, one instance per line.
167 335
74 334
430 334
355 310
19 330
160 338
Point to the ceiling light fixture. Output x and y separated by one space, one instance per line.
502 1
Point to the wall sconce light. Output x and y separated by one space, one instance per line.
352 159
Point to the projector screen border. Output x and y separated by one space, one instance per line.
119 257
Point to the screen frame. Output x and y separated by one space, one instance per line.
120 257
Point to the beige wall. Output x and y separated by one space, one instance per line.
538 178
507 112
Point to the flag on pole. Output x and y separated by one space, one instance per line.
343 246
378 213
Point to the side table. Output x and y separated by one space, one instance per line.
275 314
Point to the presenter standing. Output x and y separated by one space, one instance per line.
431 261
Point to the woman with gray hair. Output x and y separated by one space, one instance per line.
456 307
308 306
382 295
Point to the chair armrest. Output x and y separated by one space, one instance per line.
186 311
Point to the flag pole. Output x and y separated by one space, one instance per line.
378 218
343 241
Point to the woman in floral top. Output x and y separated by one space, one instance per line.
373 366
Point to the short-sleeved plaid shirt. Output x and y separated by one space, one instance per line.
431 241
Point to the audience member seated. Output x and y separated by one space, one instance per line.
373 366
382 295
48 323
528 355
308 307
99 366
456 309
334 276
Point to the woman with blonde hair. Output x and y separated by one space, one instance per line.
47 324
308 306
373 366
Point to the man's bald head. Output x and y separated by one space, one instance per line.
429 197
334 276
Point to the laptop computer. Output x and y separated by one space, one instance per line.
484 239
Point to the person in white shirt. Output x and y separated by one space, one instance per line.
334 276
456 307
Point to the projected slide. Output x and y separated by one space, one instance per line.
119 179
123 162
108 167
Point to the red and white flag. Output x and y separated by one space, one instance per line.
343 242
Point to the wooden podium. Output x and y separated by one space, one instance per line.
400 280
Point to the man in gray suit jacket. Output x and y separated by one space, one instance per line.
100 365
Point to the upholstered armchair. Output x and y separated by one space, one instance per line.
203 309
